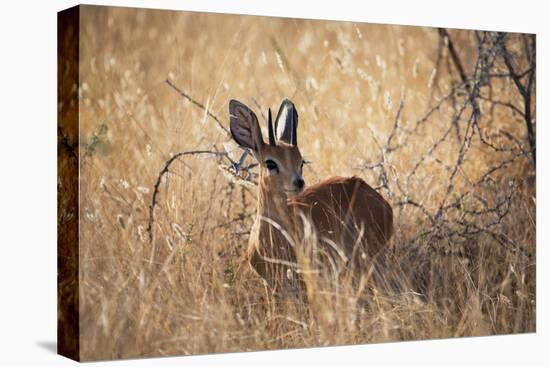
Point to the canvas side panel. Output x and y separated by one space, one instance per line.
68 23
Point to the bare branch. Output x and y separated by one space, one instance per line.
159 179
198 104
454 56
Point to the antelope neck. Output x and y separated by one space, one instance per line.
272 205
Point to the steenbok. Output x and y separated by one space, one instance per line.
349 221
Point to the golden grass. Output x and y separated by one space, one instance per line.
191 292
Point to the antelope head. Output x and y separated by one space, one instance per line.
280 160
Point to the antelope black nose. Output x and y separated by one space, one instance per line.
299 183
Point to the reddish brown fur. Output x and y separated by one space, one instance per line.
342 205
338 209
348 219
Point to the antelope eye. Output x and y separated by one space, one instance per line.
271 165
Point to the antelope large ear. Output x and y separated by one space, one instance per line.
286 123
244 126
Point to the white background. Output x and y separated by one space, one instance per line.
28 183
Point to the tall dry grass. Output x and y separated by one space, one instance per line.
191 291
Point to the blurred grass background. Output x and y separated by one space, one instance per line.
191 291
